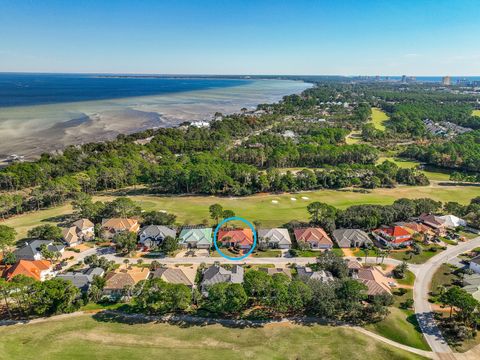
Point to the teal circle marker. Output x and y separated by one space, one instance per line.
215 234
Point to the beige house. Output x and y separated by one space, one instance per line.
81 230
376 281
117 281
177 275
111 227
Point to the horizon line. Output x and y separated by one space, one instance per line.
213 74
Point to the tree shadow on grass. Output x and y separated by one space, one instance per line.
412 319
63 220
188 321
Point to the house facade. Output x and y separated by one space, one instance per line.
374 279
39 270
178 275
306 273
316 238
452 221
419 228
275 238
82 279
436 223
217 274
346 238
243 238
154 235
85 229
111 227
32 249
395 236
117 281
196 238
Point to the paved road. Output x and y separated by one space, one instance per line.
421 289
281 261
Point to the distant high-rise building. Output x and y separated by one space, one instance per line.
404 78
447 80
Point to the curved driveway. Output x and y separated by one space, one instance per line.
423 309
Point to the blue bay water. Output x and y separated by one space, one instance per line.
44 112
36 89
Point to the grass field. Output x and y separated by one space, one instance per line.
194 209
476 113
444 276
401 326
409 279
412 258
85 338
378 118
432 174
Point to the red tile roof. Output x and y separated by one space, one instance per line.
28 268
312 235
419 228
398 234
239 236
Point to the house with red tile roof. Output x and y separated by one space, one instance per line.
419 228
242 238
316 238
36 269
396 236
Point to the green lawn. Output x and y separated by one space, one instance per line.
431 173
85 338
408 280
401 326
379 117
444 276
267 253
194 209
412 258
401 163
308 253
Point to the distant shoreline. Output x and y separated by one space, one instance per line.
31 130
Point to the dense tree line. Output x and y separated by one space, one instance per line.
463 152
25 297
370 217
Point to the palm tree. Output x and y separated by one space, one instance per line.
126 262
366 250
154 265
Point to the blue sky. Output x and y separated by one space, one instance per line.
395 37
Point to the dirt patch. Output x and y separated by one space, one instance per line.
277 325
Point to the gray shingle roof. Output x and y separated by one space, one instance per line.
476 260
304 272
157 232
32 249
347 237
216 274
82 279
